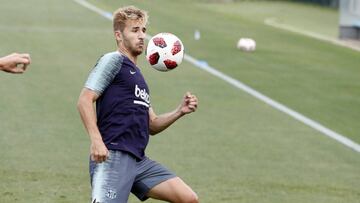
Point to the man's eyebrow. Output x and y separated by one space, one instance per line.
138 27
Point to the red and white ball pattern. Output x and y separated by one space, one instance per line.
165 51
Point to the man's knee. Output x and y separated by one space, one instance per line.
191 198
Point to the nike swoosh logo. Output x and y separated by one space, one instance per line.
132 73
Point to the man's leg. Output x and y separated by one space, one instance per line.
173 190
155 181
112 180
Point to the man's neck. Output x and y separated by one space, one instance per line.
128 54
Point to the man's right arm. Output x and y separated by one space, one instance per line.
98 150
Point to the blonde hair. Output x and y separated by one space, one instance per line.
123 14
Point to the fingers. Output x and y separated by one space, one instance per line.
16 63
19 68
17 71
191 101
23 59
99 157
13 70
22 62
192 107
188 94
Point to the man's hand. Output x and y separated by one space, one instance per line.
189 103
159 123
98 151
15 63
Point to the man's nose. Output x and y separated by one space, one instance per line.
142 35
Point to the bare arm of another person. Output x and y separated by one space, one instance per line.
15 63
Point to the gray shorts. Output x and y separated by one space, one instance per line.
113 180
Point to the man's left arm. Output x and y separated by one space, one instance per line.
159 123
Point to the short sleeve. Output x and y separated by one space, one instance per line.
104 72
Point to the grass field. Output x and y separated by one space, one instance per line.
233 149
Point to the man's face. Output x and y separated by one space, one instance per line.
133 37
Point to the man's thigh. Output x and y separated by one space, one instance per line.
149 174
112 180
173 190
156 181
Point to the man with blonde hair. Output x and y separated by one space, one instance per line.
119 128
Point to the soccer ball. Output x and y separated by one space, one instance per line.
165 51
246 44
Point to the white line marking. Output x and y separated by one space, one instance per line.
272 22
86 4
313 124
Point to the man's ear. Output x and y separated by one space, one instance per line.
118 36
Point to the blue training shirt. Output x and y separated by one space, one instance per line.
123 105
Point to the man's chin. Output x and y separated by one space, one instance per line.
138 52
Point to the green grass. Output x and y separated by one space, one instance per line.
233 149
309 17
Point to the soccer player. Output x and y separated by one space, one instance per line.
120 125
15 63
